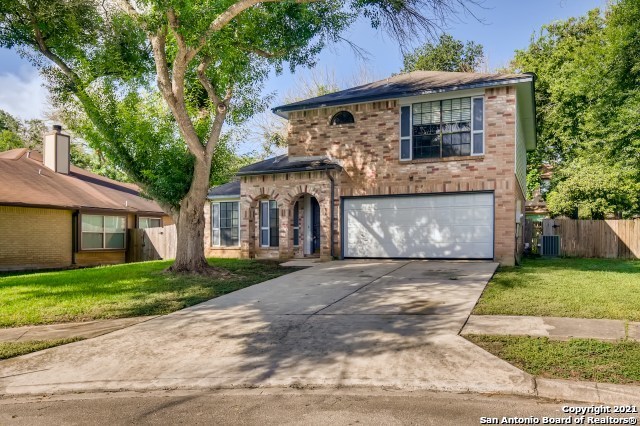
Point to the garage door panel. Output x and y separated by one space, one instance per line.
408 202
433 234
441 226
427 217
437 216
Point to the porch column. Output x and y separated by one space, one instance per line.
325 227
285 223
247 228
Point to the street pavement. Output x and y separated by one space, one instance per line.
273 406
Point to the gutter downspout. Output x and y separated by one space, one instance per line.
333 184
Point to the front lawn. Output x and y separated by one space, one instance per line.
11 349
129 290
579 288
577 359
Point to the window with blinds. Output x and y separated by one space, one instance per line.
446 128
269 227
225 224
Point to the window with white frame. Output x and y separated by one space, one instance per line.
269 231
100 232
225 224
444 128
149 222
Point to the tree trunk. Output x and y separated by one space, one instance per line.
190 245
190 225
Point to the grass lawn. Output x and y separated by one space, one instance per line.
11 349
119 291
579 288
577 359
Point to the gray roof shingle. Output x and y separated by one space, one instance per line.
283 164
408 84
230 189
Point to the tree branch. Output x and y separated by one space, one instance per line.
172 95
174 25
263 53
128 7
221 105
216 130
183 57
206 83
158 45
231 12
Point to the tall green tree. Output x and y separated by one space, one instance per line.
205 60
448 54
15 133
588 106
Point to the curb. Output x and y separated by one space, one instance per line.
603 393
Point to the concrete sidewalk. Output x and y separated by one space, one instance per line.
85 330
553 327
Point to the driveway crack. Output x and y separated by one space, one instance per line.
360 288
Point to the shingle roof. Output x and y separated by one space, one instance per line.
408 84
284 164
25 181
231 189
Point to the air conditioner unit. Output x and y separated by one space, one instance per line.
550 245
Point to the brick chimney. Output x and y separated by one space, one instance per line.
57 150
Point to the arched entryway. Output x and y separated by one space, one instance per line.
306 225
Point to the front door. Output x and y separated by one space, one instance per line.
315 226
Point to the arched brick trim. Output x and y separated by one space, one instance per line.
298 193
285 189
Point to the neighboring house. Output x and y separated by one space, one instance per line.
536 208
56 215
420 165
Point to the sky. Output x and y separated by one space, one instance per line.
502 27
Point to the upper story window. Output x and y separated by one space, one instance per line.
438 129
342 117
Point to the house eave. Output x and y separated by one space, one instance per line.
230 197
80 208
289 170
284 110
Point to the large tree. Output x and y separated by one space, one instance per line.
152 82
448 54
588 106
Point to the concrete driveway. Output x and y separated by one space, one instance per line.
352 323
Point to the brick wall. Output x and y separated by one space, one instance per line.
369 151
33 238
106 257
286 189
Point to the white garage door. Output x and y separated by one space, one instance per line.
452 226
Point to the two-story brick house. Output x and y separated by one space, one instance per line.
420 165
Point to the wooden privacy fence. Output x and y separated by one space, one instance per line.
152 244
532 233
596 238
